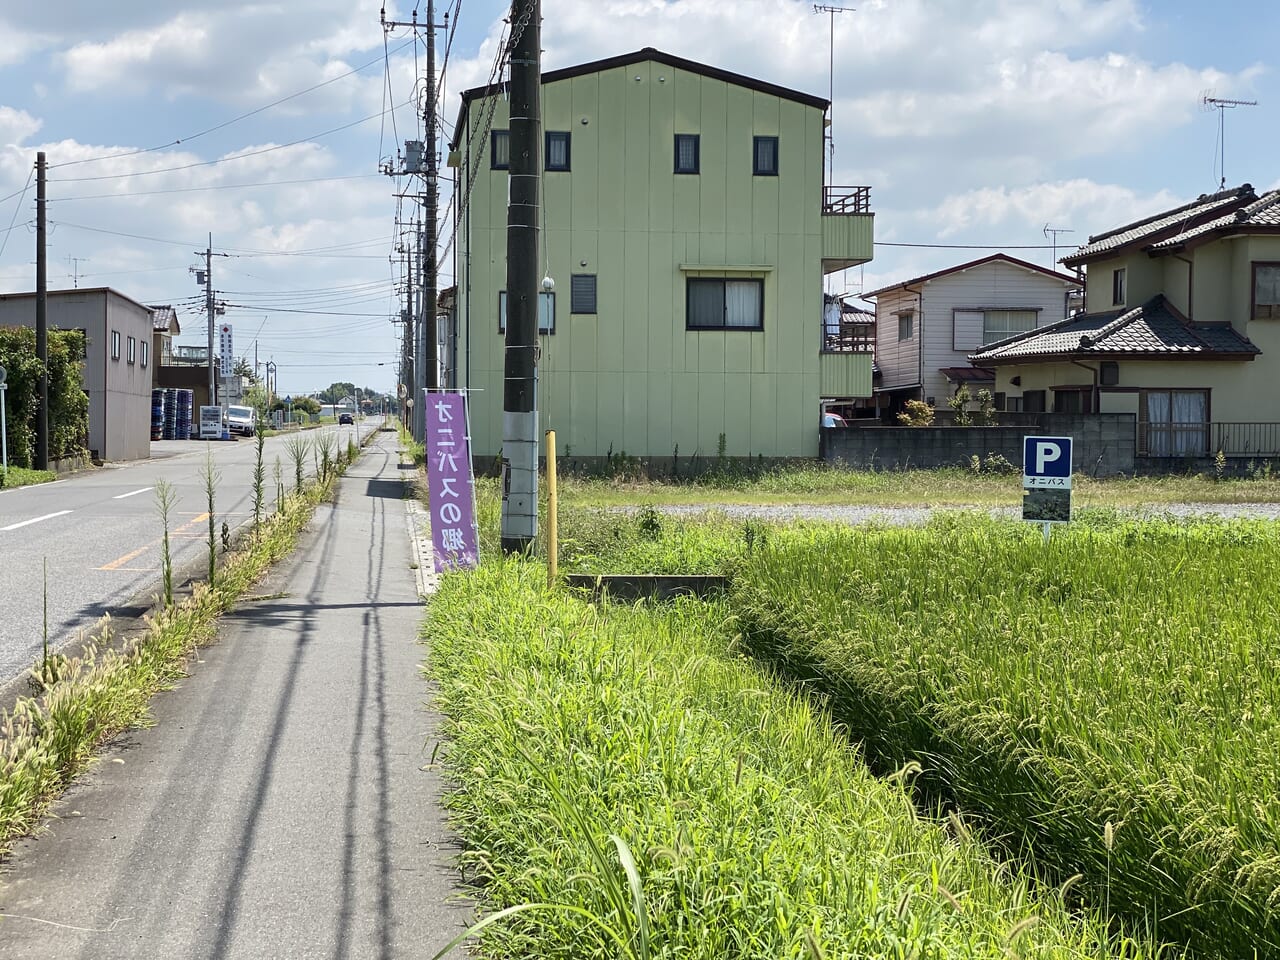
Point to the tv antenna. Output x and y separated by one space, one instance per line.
1222 105
1052 234
74 263
831 82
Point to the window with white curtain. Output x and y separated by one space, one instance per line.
999 324
713 303
1174 423
557 150
1266 291
686 153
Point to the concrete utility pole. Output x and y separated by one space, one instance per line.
42 320
208 306
422 335
430 293
520 397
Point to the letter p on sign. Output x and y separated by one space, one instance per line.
1046 452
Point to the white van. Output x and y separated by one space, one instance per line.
242 420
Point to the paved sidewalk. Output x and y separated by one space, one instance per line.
279 807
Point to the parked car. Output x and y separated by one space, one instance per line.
242 420
833 420
346 417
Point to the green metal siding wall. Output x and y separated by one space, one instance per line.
845 374
631 378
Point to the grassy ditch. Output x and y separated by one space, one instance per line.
745 825
1109 702
83 701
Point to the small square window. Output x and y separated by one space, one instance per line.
115 344
557 151
582 293
133 350
686 153
546 312
499 150
766 157
145 353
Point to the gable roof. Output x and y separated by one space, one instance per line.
1263 215
994 258
646 55
164 319
1154 330
1206 206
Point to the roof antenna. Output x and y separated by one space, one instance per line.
1052 233
1210 102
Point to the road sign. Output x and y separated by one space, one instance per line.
3 373
1046 480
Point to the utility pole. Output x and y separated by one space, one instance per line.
429 289
42 320
210 309
422 159
520 396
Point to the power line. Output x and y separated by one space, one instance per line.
225 123
223 186
239 156
16 207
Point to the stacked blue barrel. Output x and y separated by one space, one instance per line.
183 427
171 414
157 414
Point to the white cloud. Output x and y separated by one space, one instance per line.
1095 207
16 125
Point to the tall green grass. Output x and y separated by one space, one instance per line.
755 829
1109 700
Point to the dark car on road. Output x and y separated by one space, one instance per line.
345 417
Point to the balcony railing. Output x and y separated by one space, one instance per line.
1246 439
1233 439
841 200
859 339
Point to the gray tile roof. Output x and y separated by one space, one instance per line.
1194 213
1154 329
1263 212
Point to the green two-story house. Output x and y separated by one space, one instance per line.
687 230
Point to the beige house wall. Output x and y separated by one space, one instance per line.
630 378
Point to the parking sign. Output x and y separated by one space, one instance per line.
1046 462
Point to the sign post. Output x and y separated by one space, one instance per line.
1046 481
4 427
455 539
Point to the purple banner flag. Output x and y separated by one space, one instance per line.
450 481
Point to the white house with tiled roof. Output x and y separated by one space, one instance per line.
927 326
1181 329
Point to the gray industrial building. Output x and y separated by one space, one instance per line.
118 362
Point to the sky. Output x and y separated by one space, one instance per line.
978 124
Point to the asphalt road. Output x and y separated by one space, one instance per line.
285 804
100 532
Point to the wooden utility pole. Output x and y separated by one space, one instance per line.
42 321
520 401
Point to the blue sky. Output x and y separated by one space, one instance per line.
974 122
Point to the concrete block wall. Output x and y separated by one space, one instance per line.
1104 443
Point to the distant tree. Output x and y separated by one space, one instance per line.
244 369
336 391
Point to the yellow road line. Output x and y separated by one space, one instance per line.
119 562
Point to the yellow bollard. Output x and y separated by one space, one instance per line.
553 543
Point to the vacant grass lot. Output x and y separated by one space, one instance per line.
816 484
1110 701
756 831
